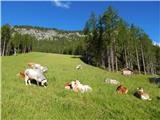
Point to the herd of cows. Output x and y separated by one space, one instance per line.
36 72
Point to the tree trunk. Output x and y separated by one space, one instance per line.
18 49
8 49
109 63
138 65
1 49
112 58
125 54
152 69
116 60
4 46
24 49
130 61
144 67
15 53
103 60
116 63
131 66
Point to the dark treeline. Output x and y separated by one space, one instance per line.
109 43
60 45
113 44
13 42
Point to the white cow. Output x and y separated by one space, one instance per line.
111 81
83 88
78 67
36 75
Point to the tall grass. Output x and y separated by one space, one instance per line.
20 102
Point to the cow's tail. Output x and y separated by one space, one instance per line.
21 75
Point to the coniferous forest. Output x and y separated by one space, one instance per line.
109 43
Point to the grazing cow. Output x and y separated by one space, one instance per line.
37 66
78 67
141 94
34 74
122 90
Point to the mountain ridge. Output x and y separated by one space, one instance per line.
42 33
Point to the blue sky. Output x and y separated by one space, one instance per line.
73 15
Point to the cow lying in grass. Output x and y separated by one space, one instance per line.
33 74
77 86
82 88
68 86
71 86
37 66
141 94
111 81
122 90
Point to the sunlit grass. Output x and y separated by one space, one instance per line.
20 102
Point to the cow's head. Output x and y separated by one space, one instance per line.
140 89
44 83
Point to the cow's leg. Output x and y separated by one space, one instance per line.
26 79
37 83
29 81
42 83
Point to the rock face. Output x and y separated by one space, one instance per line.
47 34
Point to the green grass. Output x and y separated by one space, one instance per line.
20 102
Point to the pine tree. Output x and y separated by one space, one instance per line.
5 37
110 19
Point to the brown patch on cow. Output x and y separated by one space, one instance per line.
30 64
21 75
122 90
68 86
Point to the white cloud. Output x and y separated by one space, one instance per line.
156 43
59 3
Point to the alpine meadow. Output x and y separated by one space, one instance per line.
107 70
55 103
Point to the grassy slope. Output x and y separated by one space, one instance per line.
20 102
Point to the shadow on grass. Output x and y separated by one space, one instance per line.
158 97
76 57
154 80
83 59
33 82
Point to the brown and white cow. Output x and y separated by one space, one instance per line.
33 74
141 94
72 86
76 86
122 90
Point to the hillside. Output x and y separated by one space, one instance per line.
20 102
41 33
